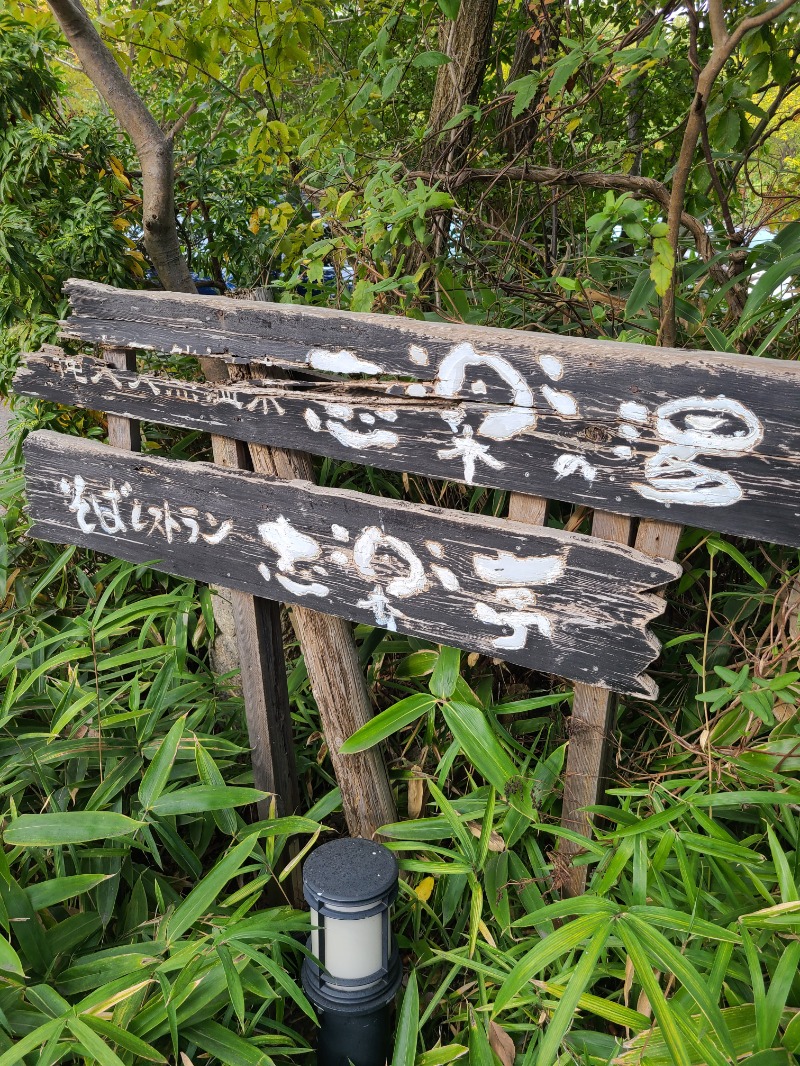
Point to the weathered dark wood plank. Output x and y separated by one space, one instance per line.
545 599
593 711
740 475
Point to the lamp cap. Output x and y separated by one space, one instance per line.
350 870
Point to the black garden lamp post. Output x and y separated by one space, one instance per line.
350 886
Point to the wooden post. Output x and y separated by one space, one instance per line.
123 432
338 683
258 637
531 510
263 676
261 662
588 739
592 708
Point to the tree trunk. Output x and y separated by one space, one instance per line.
153 146
540 38
458 83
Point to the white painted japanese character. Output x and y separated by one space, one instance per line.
470 452
567 464
371 543
189 517
373 540
519 621
78 505
108 516
514 601
75 367
385 613
350 438
690 427
291 547
163 522
136 517
228 396
221 533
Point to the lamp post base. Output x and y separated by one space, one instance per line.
358 1039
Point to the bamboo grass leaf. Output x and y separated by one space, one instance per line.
405 1046
556 945
565 1011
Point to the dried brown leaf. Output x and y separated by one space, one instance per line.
496 842
502 1044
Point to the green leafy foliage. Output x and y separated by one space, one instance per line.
144 907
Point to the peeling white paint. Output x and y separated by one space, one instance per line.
367 419
446 577
418 355
507 423
292 547
629 432
520 598
453 369
435 548
623 451
703 416
370 542
519 621
508 569
567 464
387 416
453 418
375 438
385 614
563 402
339 558
340 533
470 451
674 477
478 388
289 543
691 426
552 366
636 412
312 420
341 362
416 390
339 410
297 588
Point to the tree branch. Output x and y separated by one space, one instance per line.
755 21
639 186
724 45
716 23
181 121
153 146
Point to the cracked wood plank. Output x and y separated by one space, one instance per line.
709 462
479 583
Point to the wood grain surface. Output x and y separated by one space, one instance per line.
686 437
554 601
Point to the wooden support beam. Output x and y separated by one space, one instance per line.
593 709
263 676
123 432
338 684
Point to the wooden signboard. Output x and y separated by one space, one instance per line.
702 438
558 602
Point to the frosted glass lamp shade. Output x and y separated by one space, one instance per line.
350 886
